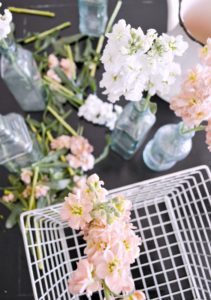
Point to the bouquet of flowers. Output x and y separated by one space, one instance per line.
193 102
112 245
135 62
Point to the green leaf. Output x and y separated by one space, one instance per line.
13 218
59 44
59 185
153 107
52 157
105 152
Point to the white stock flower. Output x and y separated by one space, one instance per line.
5 23
135 62
98 112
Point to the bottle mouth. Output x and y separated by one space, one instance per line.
192 21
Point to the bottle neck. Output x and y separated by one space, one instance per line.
183 132
8 48
143 104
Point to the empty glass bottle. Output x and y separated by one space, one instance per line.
17 147
21 75
131 128
92 16
169 145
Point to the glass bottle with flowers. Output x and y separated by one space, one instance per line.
19 70
137 65
173 142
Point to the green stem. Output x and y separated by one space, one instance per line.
37 12
106 291
195 129
147 101
61 121
102 37
35 179
46 33
63 91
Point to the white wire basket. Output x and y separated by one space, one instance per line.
172 215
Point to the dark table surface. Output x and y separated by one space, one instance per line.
14 276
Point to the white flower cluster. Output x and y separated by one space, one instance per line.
98 112
135 62
5 23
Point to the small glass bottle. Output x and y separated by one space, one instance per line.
169 145
17 147
131 128
21 75
92 17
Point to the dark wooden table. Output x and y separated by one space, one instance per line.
14 277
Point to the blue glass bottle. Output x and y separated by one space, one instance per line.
169 145
92 17
21 75
131 128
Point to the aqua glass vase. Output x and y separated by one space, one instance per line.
171 143
18 147
131 128
92 17
21 75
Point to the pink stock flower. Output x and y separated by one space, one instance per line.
26 176
113 272
137 295
80 146
61 142
68 67
82 279
79 183
76 211
52 75
52 61
41 191
95 189
9 198
27 192
193 102
205 53
85 162
208 135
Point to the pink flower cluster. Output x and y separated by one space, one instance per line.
112 245
41 189
193 102
81 151
67 66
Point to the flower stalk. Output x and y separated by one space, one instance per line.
61 121
37 12
46 33
32 198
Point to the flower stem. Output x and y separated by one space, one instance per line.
147 101
32 198
46 33
62 121
106 291
37 12
194 129
63 91
102 37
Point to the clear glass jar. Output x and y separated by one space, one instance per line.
21 75
92 16
169 145
18 148
131 128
